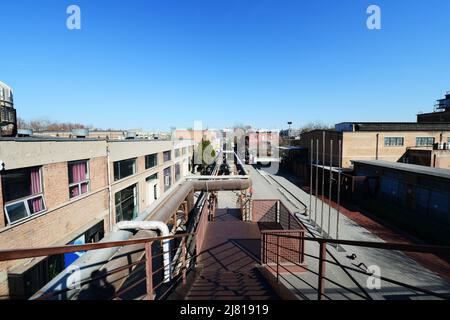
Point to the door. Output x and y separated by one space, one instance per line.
152 191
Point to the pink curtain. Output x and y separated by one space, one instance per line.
84 188
74 191
78 172
36 204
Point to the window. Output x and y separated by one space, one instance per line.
152 177
22 194
393 142
78 178
177 171
126 204
184 151
177 153
151 161
167 178
124 168
167 156
424 141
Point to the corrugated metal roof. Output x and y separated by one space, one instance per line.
413 168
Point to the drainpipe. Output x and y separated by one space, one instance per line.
152 225
376 150
108 165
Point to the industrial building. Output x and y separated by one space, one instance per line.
8 117
415 197
57 191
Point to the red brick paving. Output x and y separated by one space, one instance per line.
227 261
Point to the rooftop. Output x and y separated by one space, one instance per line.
436 172
393 126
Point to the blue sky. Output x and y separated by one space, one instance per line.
155 64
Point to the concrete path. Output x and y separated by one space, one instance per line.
392 264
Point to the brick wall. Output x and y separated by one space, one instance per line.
55 181
2 214
264 210
51 227
98 173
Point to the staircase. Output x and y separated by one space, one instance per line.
230 285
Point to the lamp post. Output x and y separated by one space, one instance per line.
289 124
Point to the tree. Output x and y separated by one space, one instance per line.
45 124
206 151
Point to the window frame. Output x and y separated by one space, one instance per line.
390 145
25 200
135 197
119 175
425 145
156 160
78 184
170 155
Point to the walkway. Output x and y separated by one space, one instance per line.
227 263
407 268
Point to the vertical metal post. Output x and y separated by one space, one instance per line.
339 189
322 264
278 258
330 190
149 270
311 180
262 248
317 180
323 180
183 258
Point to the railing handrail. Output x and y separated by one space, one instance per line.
370 244
24 253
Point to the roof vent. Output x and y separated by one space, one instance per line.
24 133
80 133
130 135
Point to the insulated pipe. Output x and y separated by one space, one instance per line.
152 225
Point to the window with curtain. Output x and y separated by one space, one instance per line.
22 194
124 168
78 178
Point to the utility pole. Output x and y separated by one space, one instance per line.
339 189
330 190
317 179
323 180
311 150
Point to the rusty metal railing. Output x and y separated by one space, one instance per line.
278 260
147 259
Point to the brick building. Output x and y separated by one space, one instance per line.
57 191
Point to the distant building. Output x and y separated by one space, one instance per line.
8 117
440 114
104 134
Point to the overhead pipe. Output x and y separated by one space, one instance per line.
164 232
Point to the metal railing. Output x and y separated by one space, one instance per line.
276 261
147 259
